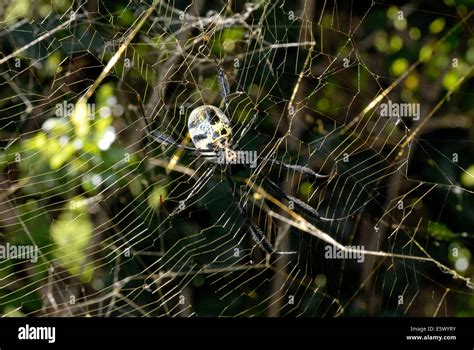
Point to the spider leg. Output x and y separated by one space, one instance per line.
257 235
169 140
159 136
201 182
224 89
302 205
299 168
223 85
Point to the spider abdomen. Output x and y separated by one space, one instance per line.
210 130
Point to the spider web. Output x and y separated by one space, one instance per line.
92 190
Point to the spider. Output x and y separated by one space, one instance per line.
211 134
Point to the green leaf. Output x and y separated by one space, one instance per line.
467 177
440 231
71 234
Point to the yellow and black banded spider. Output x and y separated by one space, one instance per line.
210 130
